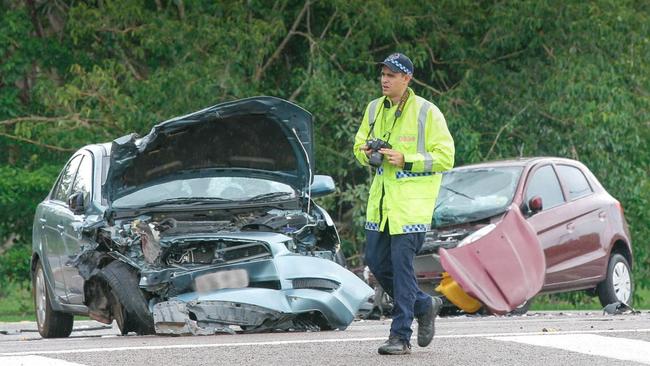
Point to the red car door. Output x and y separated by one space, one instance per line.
555 225
503 268
588 246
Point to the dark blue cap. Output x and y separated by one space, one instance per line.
398 62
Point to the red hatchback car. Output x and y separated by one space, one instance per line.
507 230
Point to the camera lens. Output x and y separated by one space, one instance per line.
375 159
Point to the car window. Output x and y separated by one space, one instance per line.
545 184
474 194
62 189
575 181
83 180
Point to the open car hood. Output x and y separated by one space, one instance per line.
502 269
263 137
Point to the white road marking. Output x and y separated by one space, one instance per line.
303 341
590 344
35 360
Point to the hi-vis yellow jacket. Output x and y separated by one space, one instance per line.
405 197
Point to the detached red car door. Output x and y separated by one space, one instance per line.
501 269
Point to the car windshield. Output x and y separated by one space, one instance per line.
208 189
474 194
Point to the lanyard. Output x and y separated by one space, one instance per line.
398 113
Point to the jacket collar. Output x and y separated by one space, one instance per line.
390 102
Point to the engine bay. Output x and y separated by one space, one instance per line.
187 239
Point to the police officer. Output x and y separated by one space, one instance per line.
405 137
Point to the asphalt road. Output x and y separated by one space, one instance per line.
539 338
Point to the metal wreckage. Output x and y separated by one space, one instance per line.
205 263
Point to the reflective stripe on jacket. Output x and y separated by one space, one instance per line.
406 196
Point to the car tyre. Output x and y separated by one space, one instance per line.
51 323
618 286
129 307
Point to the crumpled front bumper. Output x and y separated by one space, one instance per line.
263 309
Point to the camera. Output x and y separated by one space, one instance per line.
375 156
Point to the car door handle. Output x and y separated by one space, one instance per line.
602 215
570 227
61 228
42 220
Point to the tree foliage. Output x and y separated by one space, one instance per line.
513 78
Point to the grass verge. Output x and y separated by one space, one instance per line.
581 301
16 302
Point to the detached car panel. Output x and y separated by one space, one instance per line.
503 268
329 301
206 222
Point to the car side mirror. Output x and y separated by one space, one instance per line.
322 186
535 205
76 203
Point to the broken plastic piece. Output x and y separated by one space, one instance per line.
455 294
617 308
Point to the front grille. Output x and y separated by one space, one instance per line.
273 285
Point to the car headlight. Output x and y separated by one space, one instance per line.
477 235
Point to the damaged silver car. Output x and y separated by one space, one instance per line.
204 225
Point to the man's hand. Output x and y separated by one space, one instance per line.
394 157
365 149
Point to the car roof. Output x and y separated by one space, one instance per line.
522 162
102 149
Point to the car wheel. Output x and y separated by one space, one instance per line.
51 324
120 316
618 285
128 304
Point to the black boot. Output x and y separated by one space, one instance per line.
394 346
426 323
